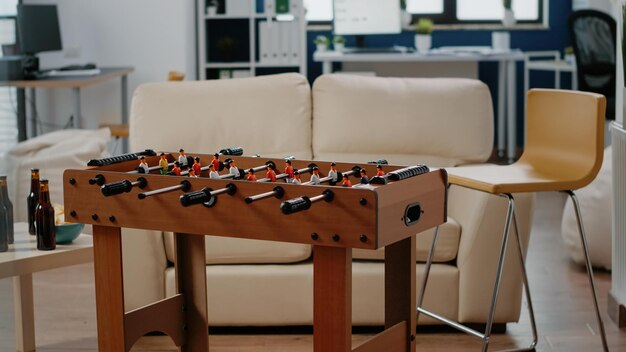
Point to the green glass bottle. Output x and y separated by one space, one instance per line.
4 199
44 219
32 200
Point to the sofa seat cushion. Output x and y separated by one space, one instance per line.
445 121
445 251
227 250
267 115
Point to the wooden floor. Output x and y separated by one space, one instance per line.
65 308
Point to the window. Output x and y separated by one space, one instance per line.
446 11
8 122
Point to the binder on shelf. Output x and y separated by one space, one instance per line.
281 6
264 42
294 45
241 73
285 34
269 8
274 40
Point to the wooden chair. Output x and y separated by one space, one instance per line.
563 152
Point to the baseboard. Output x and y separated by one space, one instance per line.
617 311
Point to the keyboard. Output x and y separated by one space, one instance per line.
378 50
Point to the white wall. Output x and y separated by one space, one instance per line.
153 36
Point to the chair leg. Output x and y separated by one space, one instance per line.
496 287
429 262
583 238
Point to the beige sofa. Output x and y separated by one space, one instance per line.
440 122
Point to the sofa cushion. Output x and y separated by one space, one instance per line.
435 121
268 115
226 250
445 250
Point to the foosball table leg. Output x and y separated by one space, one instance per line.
332 296
191 283
107 244
400 299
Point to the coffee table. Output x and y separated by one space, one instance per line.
21 261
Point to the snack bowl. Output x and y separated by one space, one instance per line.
68 232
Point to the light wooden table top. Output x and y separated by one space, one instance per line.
106 73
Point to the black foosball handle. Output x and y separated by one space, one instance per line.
400 174
124 186
197 197
120 158
232 151
303 203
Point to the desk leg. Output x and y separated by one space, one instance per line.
21 115
511 111
107 258
24 316
191 282
400 298
327 67
332 299
124 110
77 109
500 139
33 112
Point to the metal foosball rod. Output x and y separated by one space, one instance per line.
356 170
124 186
242 173
303 203
277 192
286 175
183 186
228 151
206 196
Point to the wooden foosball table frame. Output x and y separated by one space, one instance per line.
370 217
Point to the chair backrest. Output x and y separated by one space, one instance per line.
594 39
565 135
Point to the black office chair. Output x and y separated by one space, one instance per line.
594 39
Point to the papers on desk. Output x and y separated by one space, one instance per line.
72 73
470 50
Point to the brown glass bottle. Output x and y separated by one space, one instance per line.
33 200
4 200
44 220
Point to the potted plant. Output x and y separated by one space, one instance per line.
423 29
405 16
508 20
568 55
211 8
339 42
322 42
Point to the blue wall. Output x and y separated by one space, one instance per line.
554 38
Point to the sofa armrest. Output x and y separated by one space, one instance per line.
482 218
144 264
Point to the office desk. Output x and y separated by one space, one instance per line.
506 81
67 82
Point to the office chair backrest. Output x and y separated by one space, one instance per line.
594 39
565 135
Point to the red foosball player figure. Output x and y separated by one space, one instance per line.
379 171
346 181
216 161
163 164
251 176
315 177
176 169
196 166
364 179
270 174
289 170
143 166
212 173
192 172
333 173
296 179
182 158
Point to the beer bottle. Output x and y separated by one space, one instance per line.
4 220
44 219
4 199
33 200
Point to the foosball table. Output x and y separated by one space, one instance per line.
332 206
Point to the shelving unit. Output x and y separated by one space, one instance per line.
231 45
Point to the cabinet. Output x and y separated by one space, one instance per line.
249 38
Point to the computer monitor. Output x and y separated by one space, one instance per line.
362 17
38 29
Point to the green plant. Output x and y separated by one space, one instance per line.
214 3
339 39
424 26
403 4
508 4
568 50
321 40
